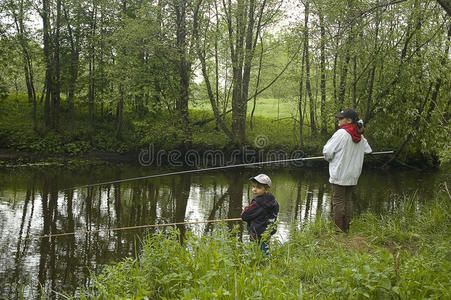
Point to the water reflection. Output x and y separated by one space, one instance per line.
32 203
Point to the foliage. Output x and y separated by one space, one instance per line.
3 89
405 255
122 62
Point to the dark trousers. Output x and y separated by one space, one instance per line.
342 205
264 247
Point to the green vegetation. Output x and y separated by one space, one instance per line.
265 107
75 136
405 255
112 76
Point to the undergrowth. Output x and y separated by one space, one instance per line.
406 255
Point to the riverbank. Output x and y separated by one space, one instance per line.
79 139
405 255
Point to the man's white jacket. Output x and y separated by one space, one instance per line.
345 157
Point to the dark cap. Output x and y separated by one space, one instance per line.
348 113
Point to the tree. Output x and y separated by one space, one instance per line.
18 10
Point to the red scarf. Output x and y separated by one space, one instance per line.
352 130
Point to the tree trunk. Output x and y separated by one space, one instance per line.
344 74
92 62
334 77
26 58
119 113
242 49
373 70
238 111
248 57
74 58
56 94
323 71
184 64
260 61
307 70
48 63
201 54
354 84
301 94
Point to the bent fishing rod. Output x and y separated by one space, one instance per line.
211 169
176 173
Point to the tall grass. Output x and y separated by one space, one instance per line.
405 255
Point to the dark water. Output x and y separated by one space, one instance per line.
32 204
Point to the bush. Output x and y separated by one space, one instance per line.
3 90
75 148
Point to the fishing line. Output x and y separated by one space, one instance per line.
130 227
209 169
176 173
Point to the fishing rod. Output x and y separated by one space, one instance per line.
210 169
130 227
177 173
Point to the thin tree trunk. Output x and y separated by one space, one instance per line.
307 69
73 65
334 77
354 85
323 71
48 63
217 33
91 88
26 58
56 94
343 77
373 70
300 103
238 111
257 83
119 113
184 64
201 54
248 57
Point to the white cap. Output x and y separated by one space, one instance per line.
263 179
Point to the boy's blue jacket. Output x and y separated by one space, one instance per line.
260 213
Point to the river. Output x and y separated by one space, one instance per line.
33 203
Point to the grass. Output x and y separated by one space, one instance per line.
405 255
266 107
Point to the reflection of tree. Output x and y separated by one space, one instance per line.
153 192
235 200
319 207
47 259
69 241
118 210
19 255
181 188
308 204
298 206
216 205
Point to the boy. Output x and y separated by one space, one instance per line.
262 211
344 151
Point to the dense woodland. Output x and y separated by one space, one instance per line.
134 72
